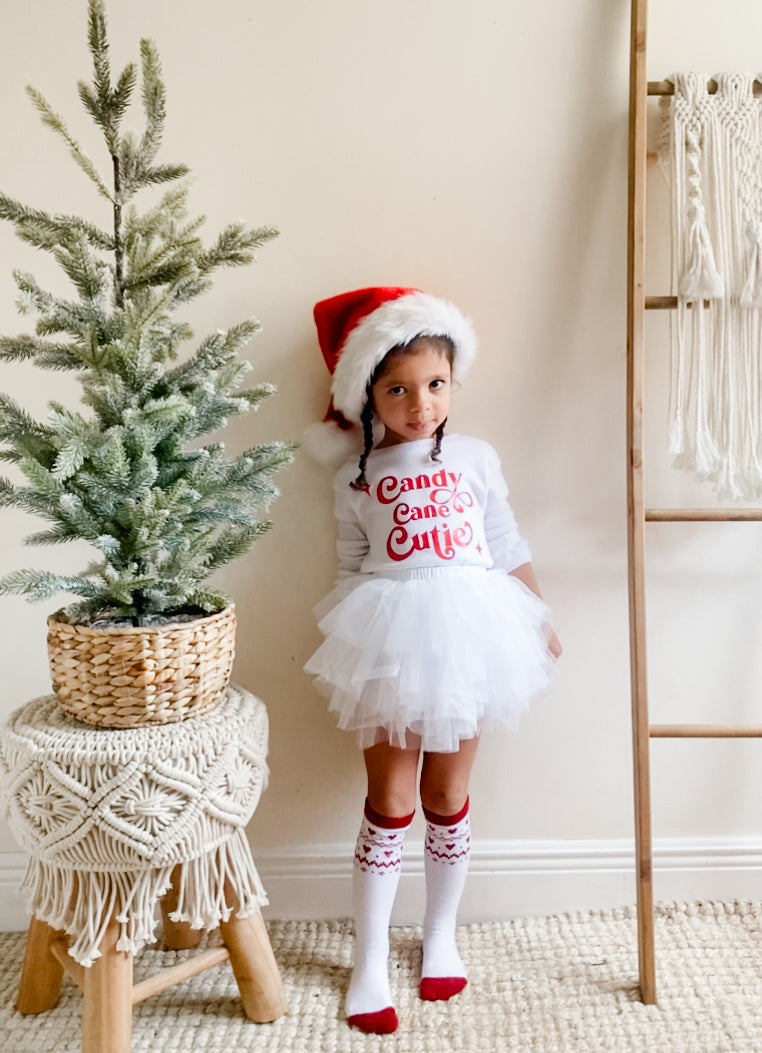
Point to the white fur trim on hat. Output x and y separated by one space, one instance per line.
393 323
328 444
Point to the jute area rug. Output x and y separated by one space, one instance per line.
542 984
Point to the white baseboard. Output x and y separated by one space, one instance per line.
507 879
510 879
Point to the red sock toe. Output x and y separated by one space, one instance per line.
440 988
384 1022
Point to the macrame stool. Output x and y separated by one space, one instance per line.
118 820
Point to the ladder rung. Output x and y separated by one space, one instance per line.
703 731
666 87
703 515
665 303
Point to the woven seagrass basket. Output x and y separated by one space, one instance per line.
125 677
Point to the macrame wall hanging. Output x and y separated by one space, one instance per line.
710 149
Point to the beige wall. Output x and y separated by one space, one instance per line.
477 151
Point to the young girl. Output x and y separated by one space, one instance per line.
436 629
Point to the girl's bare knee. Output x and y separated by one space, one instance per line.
445 778
388 801
443 802
391 780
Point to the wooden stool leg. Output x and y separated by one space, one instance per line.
254 965
41 973
178 935
107 1012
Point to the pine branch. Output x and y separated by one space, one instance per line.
235 246
70 457
8 494
155 223
17 427
42 584
215 476
54 121
154 101
44 493
111 458
136 175
57 535
106 106
58 358
33 501
164 174
89 611
57 315
209 599
109 546
265 460
122 93
145 472
108 109
50 230
254 396
46 355
215 351
227 511
33 297
152 261
97 40
73 512
65 422
231 544
88 273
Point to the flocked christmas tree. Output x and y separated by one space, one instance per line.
129 475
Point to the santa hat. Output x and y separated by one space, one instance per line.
355 332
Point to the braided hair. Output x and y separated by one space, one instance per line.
366 419
447 347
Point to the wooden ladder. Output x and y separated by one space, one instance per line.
637 514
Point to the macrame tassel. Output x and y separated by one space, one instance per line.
201 898
706 456
700 279
677 393
751 294
81 903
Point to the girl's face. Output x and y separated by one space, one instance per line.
412 397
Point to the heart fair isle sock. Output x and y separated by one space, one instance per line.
376 875
446 854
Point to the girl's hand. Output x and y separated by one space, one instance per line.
554 645
525 574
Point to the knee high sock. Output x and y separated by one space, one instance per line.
446 855
376 875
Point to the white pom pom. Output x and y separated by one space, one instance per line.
328 444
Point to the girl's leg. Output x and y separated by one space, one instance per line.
444 795
378 858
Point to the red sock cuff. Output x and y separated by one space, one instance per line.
446 820
386 822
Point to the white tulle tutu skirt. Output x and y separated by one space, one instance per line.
439 653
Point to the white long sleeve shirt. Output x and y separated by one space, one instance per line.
417 513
